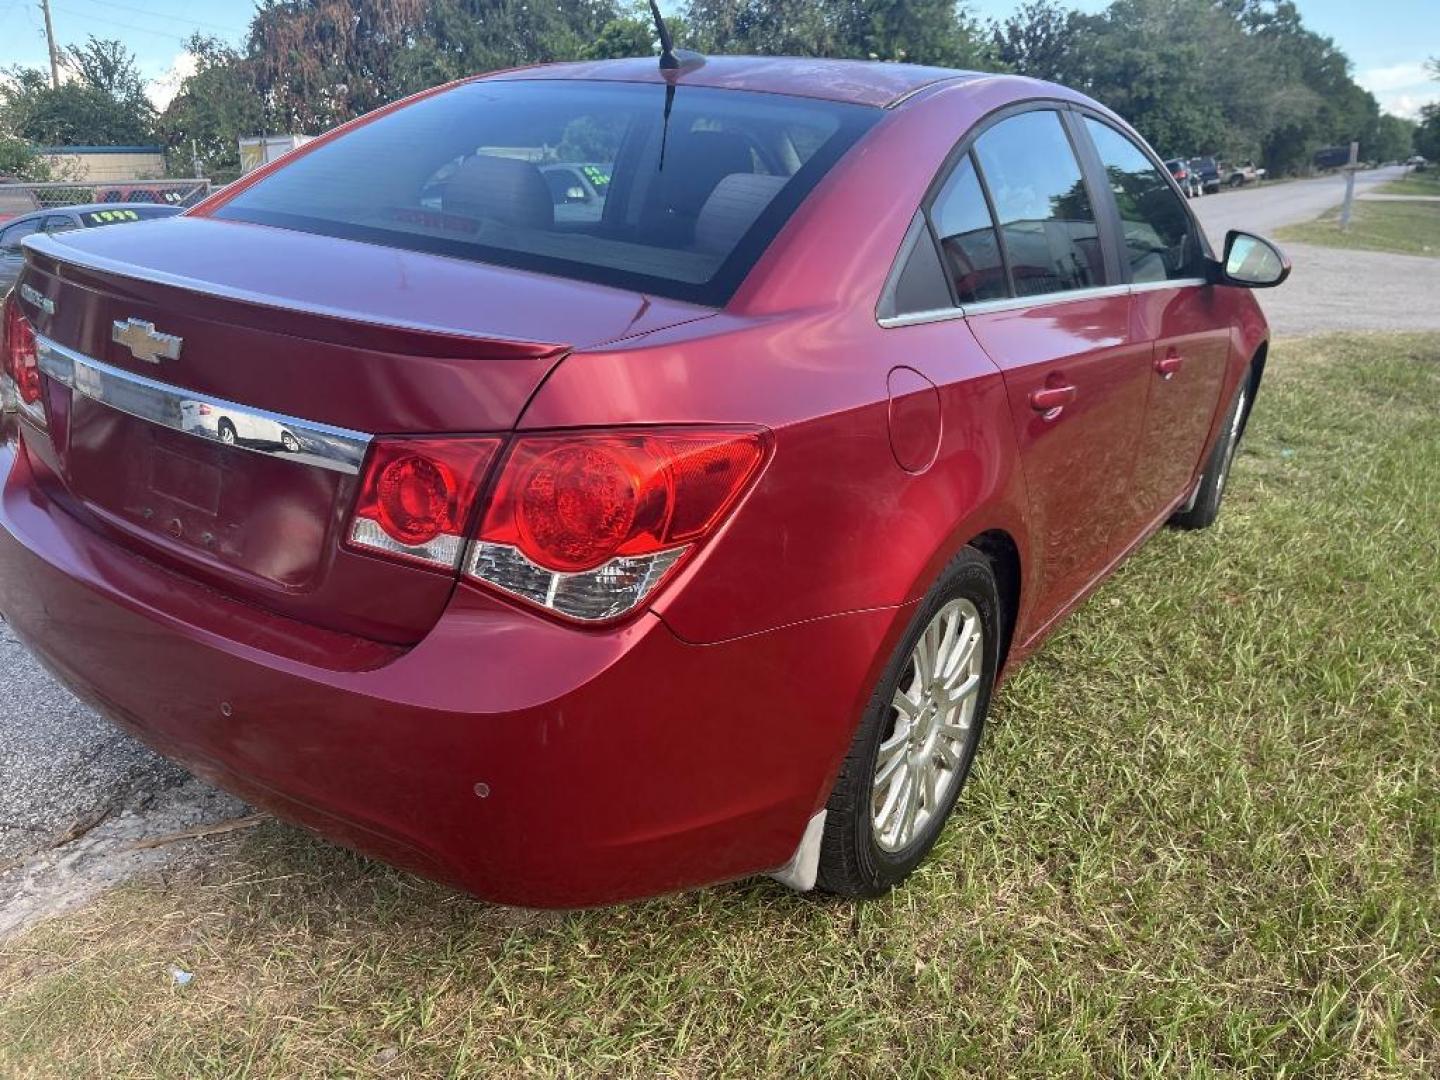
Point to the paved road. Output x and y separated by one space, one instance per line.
63 768
1329 289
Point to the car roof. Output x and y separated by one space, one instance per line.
859 82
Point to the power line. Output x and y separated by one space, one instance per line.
152 13
125 25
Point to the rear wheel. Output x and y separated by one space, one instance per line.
918 737
1204 505
227 432
289 442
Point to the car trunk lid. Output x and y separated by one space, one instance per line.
212 388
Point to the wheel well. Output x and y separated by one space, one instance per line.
998 546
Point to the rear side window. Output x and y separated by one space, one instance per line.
11 237
967 237
1041 204
623 184
58 223
1161 242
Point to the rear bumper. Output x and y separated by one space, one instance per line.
613 765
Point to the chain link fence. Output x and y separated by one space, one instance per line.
16 199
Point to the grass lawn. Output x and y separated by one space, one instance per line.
1202 837
1414 183
1406 228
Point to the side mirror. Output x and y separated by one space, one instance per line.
1252 262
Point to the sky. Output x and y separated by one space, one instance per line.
1388 40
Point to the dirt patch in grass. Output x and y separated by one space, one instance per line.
1201 837
1406 228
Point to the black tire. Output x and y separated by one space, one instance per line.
289 443
852 861
1205 503
226 428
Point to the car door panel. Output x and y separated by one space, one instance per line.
1174 308
1191 352
1077 457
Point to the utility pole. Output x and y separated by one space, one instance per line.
50 39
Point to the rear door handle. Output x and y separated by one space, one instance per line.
1169 364
1052 399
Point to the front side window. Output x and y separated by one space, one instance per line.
1161 242
967 237
1041 205
615 183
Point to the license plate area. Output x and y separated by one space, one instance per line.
262 515
185 481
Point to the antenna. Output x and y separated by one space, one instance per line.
668 60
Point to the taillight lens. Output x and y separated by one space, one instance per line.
21 361
417 496
587 524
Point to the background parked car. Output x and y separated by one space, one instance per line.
60 219
577 189
1208 170
1185 176
1244 173
1331 157
236 427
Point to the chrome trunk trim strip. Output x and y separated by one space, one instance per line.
255 431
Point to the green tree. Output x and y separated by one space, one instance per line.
212 109
19 161
103 104
1427 135
916 31
1042 39
1394 138
774 28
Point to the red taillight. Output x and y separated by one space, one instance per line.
584 524
417 496
22 363
588 523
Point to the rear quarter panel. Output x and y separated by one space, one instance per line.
834 524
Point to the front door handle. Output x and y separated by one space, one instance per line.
1051 399
1169 364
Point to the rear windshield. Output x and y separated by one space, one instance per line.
676 194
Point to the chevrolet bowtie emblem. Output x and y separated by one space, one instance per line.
145 342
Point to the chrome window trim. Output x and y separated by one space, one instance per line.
1177 283
917 318
1014 303
1069 296
322 446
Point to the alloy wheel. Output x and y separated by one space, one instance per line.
921 755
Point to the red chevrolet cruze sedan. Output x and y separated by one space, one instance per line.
675 459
